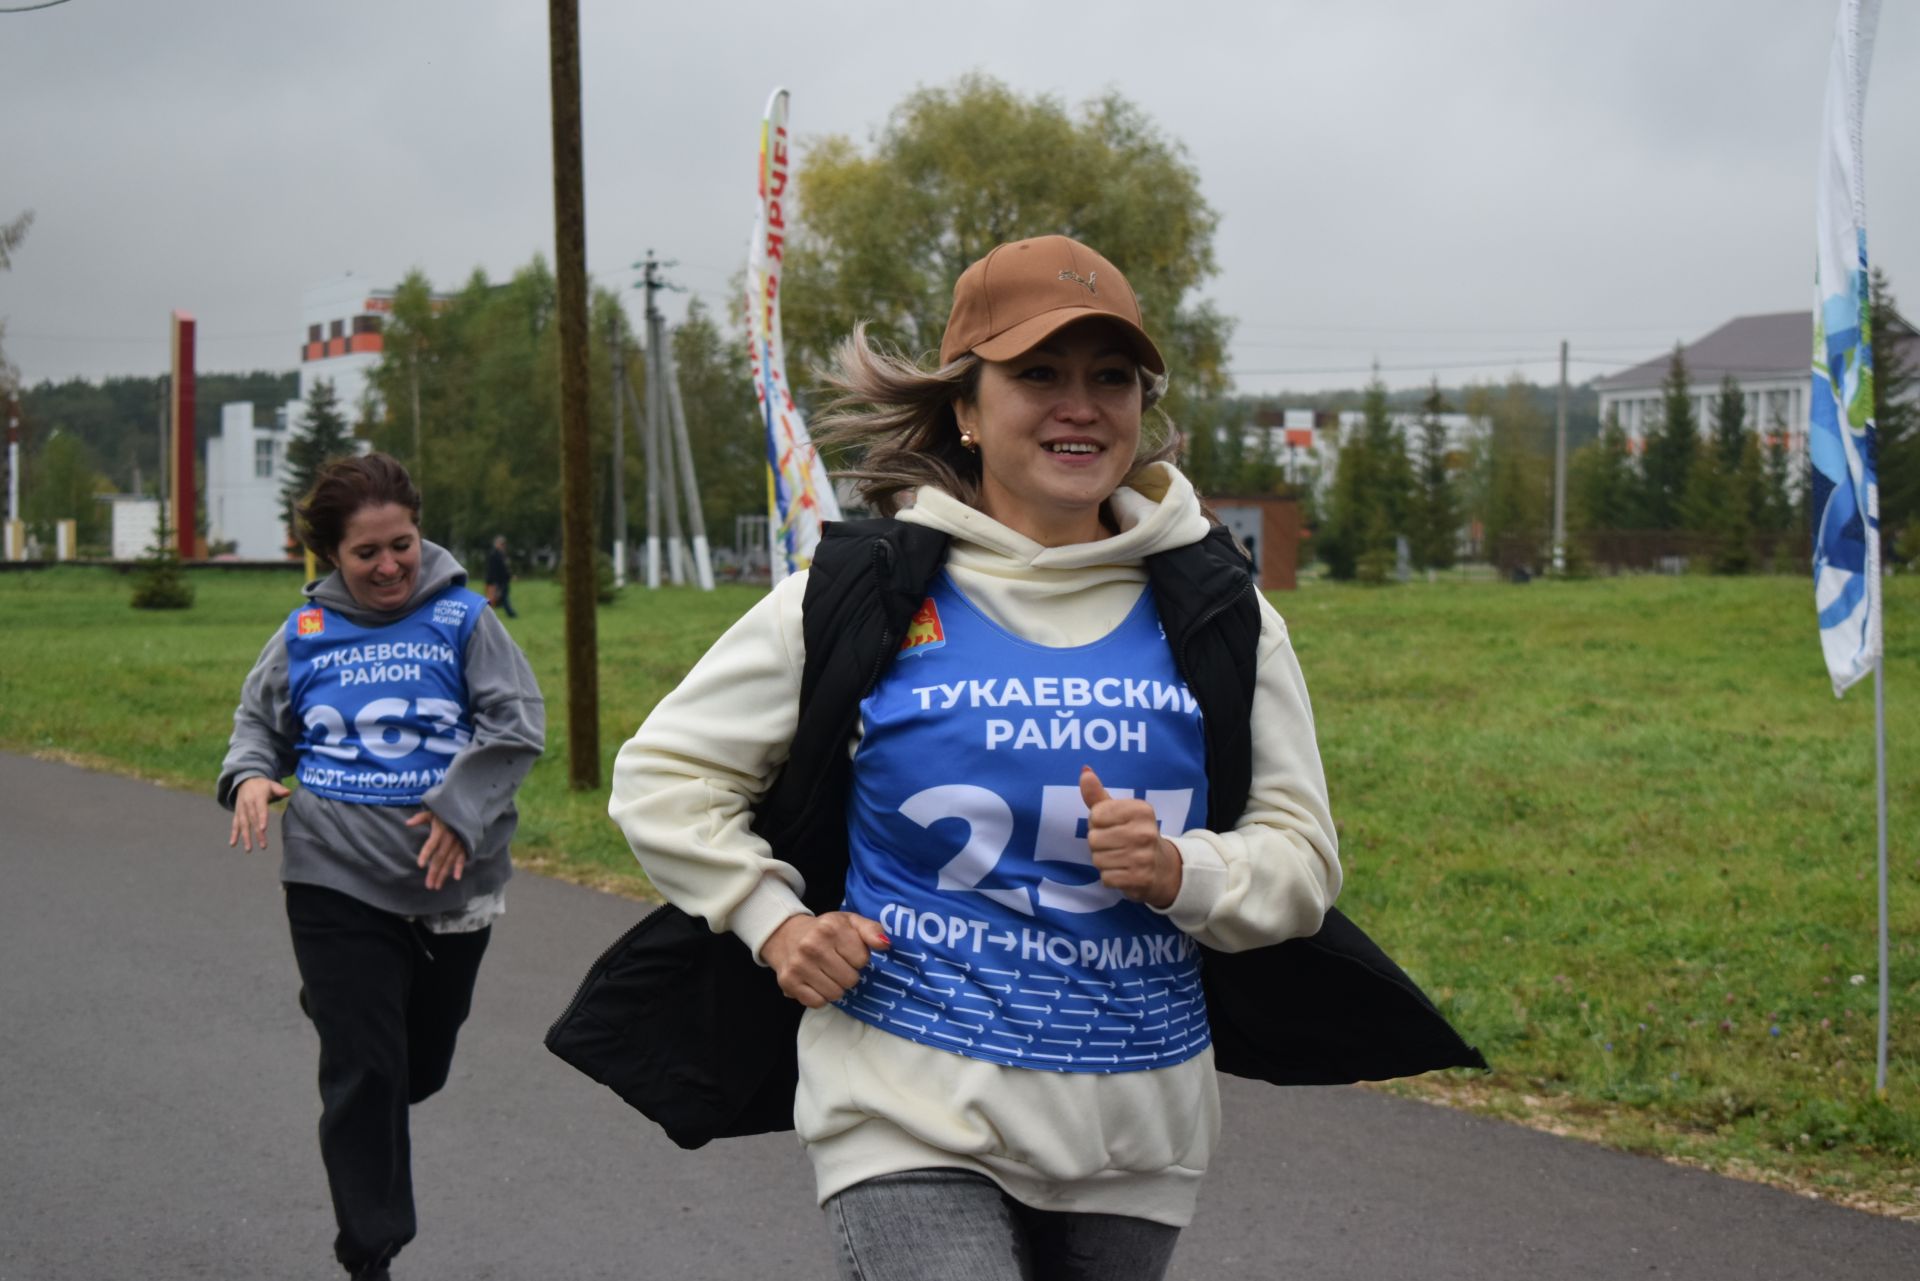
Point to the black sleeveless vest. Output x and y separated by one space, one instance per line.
688 1028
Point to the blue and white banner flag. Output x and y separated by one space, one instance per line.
800 498
1840 438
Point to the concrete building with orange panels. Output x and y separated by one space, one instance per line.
344 322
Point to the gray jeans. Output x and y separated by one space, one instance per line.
955 1225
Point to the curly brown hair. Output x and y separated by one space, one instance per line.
342 488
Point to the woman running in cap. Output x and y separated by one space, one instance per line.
1005 1064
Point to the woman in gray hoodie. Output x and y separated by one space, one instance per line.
409 717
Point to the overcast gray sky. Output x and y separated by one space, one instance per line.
1447 187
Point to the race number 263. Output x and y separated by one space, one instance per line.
375 726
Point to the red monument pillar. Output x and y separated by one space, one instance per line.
182 502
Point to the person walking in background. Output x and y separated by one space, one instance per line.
410 718
500 577
1026 764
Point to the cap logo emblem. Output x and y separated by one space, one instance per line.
1088 282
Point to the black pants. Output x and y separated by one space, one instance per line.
388 999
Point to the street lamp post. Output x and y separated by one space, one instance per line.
13 457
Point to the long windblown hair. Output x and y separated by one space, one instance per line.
893 424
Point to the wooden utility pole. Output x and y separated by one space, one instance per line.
576 462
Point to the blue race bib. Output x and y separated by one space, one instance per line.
968 843
385 708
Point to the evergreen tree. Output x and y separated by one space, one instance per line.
1670 451
323 437
1601 483
1515 477
1721 494
1803 502
1436 521
1749 486
1896 421
1261 470
1372 496
162 585
1777 485
1729 425
1391 503
1225 451
1343 534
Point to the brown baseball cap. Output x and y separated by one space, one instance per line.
1011 300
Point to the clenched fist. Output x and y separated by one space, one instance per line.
817 958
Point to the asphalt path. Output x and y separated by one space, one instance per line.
158 1105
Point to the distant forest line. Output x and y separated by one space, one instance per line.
118 418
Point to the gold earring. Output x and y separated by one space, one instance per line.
966 440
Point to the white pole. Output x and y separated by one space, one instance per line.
1880 771
658 418
166 451
13 457
619 464
696 518
650 439
1560 472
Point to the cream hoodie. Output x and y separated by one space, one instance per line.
871 1103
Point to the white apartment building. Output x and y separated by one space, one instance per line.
136 519
246 462
246 466
1769 357
1307 444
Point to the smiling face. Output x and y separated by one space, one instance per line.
1058 428
379 556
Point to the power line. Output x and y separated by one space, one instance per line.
1422 367
277 334
1282 344
1449 327
29 8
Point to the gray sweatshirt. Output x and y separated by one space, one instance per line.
367 851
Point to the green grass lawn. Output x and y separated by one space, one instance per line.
1620 829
